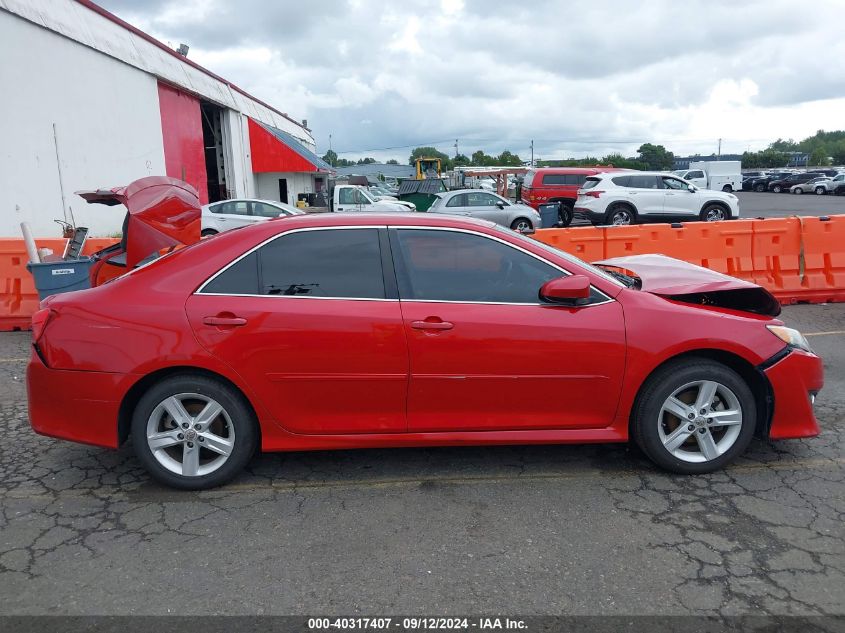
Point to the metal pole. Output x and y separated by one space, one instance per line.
59 167
719 157
532 152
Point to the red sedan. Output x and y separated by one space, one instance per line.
339 331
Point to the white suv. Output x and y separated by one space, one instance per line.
628 198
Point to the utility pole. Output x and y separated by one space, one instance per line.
532 152
330 149
456 148
719 155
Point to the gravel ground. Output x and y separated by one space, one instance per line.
528 530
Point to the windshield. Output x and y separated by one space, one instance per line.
570 258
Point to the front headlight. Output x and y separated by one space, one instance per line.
791 337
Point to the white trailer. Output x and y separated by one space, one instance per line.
719 175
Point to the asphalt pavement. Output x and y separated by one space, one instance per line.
527 530
778 205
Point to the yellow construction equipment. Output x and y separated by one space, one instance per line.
427 167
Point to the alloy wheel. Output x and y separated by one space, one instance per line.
700 421
190 434
521 226
714 214
621 217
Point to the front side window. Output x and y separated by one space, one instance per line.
266 210
463 267
481 200
361 197
674 183
695 174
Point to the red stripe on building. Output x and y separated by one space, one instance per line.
269 154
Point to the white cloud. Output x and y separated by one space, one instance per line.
577 77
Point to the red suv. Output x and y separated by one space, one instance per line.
558 184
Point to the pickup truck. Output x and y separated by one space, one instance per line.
347 198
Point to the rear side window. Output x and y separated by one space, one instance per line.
622 181
589 183
241 278
564 179
644 182
339 263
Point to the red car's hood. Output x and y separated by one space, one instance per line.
670 277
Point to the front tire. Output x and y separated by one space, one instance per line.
714 213
521 225
798 191
193 432
777 189
820 191
620 215
694 416
208 233
760 188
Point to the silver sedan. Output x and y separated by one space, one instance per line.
485 205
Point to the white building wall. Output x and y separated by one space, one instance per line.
83 25
108 125
267 185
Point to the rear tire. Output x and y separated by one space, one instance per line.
727 189
193 432
820 191
701 443
798 191
759 188
565 215
777 189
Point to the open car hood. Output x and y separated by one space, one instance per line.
682 281
162 213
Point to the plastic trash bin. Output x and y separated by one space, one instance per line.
52 278
549 214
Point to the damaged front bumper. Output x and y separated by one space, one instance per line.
796 377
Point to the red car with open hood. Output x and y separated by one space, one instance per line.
333 331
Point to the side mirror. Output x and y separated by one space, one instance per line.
500 204
691 188
566 290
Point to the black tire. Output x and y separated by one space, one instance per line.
727 189
820 191
777 189
234 405
617 212
207 232
661 384
798 191
713 209
565 215
759 188
518 224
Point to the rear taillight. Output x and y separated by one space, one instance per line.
39 323
593 194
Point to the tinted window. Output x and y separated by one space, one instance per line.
346 196
564 179
481 200
240 278
673 183
695 174
622 181
457 201
589 183
326 263
235 207
452 266
266 210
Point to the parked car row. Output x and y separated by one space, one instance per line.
818 181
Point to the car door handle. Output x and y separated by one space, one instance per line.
432 325
224 321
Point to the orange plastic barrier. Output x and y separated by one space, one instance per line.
19 298
799 259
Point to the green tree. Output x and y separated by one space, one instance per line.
655 157
618 160
507 159
330 157
393 161
366 161
819 157
430 152
479 158
782 145
461 160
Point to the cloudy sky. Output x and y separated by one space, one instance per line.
578 77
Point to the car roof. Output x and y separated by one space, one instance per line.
381 219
